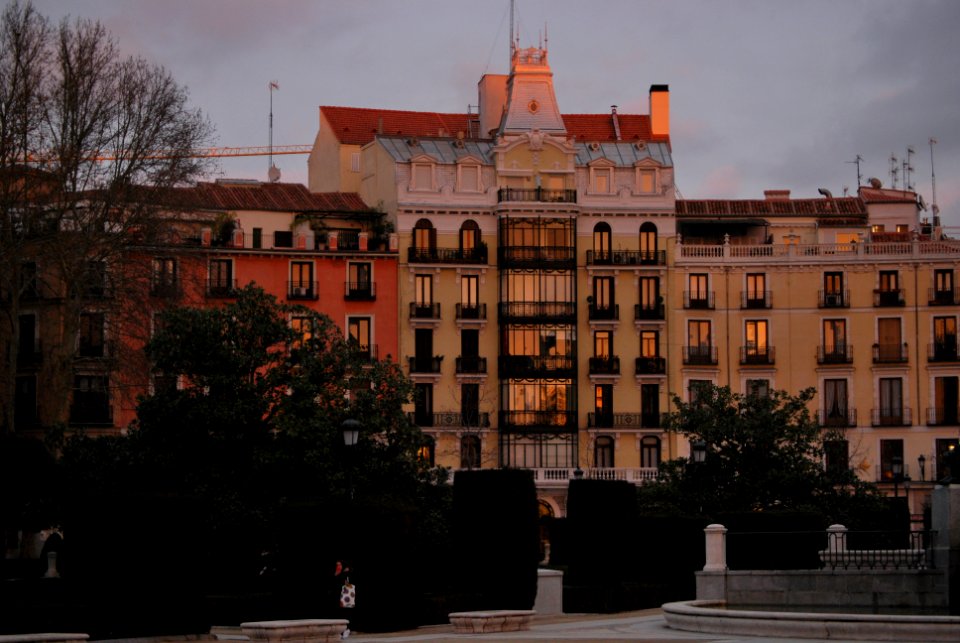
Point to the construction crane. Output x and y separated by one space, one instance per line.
218 152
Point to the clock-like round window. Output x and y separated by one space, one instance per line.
533 106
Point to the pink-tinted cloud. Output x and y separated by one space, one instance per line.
724 181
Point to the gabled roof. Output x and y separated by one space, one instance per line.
358 125
887 195
839 207
281 197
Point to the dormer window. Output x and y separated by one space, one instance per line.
468 178
646 181
601 180
422 177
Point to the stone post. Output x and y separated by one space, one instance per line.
712 581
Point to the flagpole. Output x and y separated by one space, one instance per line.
273 85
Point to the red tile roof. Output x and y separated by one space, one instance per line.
358 125
846 206
886 195
285 197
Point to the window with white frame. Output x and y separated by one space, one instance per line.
422 176
468 177
601 180
646 181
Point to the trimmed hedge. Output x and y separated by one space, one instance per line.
496 537
774 540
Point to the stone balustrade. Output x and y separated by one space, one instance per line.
491 621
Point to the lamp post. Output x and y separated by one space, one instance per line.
896 466
922 461
351 432
698 449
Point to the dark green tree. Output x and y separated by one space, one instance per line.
762 452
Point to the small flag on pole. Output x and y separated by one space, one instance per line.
274 84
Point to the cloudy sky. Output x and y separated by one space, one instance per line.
764 93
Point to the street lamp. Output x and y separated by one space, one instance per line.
351 431
922 461
896 466
699 450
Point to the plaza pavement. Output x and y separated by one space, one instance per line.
644 625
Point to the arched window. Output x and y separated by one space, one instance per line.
424 238
601 243
470 452
648 243
650 452
603 452
469 238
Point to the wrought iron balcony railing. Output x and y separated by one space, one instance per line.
450 420
537 256
303 290
943 351
754 300
360 291
890 353
837 354
474 365
540 195
943 416
698 300
624 420
538 421
597 312
833 299
424 311
650 366
757 355
837 418
430 364
700 355
447 255
642 312
475 312
944 297
217 288
538 311
626 257
890 416
604 365
536 366
888 297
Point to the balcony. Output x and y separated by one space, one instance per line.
816 253
596 312
698 300
512 366
165 289
626 258
944 297
833 299
221 288
428 365
943 351
756 300
538 311
943 416
891 297
539 195
837 418
757 355
477 255
556 257
700 355
890 353
624 420
471 365
303 290
650 366
562 476
424 311
360 291
538 421
840 354
604 366
445 420
368 353
890 417
477 312
648 312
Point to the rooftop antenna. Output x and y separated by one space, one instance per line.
894 171
273 172
857 161
908 169
933 182
512 45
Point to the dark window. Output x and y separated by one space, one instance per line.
650 405
91 343
91 400
836 456
25 401
603 452
470 404
423 404
470 452
889 449
283 239
650 452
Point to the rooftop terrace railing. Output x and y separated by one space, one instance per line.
819 252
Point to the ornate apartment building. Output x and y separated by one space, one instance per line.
554 294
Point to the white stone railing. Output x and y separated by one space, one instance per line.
819 252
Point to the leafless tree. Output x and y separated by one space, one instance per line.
84 135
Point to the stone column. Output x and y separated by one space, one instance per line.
712 581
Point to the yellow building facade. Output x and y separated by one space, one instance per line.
554 294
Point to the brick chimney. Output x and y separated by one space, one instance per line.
777 195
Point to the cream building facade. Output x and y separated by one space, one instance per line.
554 293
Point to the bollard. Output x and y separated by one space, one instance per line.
716 548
